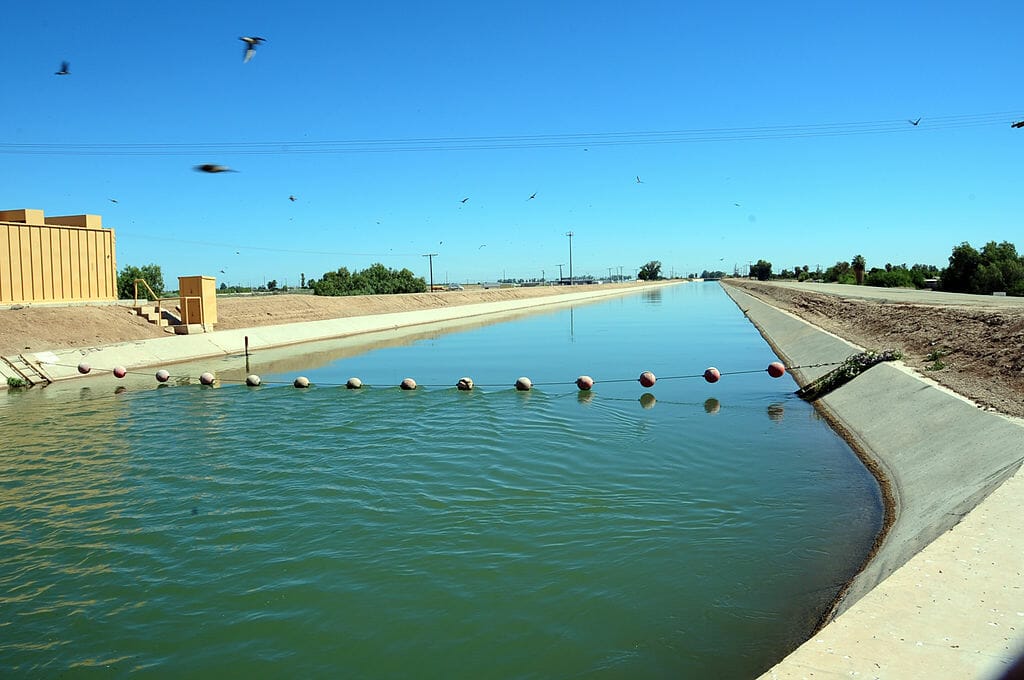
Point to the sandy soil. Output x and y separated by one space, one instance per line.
36 328
978 353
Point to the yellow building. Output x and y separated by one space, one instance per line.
68 258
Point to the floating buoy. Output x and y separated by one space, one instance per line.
120 372
647 400
408 384
84 368
712 375
253 380
206 378
523 384
162 376
584 382
465 384
776 369
647 379
301 382
353 383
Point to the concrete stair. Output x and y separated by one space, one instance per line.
153 314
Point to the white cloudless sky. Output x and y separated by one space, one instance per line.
778 131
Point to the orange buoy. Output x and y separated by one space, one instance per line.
647 379
776 369
712 375
408 384
584 382
120 372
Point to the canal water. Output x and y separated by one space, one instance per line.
685 530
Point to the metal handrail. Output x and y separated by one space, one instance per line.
156 297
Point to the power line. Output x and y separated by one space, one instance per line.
593 139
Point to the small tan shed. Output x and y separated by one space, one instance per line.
198 299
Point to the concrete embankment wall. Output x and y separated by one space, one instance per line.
61 364
940 457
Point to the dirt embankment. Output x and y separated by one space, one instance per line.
976 353
34 328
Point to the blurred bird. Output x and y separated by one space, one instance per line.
532 196
638 180
250 46
212 168
914 122
112 200
464 200
292 198
1018 124
65 69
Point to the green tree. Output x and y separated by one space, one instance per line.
149 273
858 265
374 280
840 272
762 270
272 284
960 275
650 271
997 267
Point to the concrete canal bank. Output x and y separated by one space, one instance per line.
943 594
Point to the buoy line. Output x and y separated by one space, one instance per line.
647 379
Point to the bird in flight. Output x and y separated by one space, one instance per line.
1018 124
112 200
292 198
638 180
65 69
532 196
213 168
250 46
914 122
464 200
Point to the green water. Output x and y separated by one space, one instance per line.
436 533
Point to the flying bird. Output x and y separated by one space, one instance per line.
464 200
65 69
213 168
292 198
1018 124
112 200
914 122
638 180
250 46
532 196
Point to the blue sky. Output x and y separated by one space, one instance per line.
776 131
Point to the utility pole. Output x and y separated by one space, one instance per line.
569 234
431 256
560 273
620 273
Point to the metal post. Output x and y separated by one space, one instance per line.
569 234
431 257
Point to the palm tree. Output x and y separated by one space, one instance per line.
858 266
